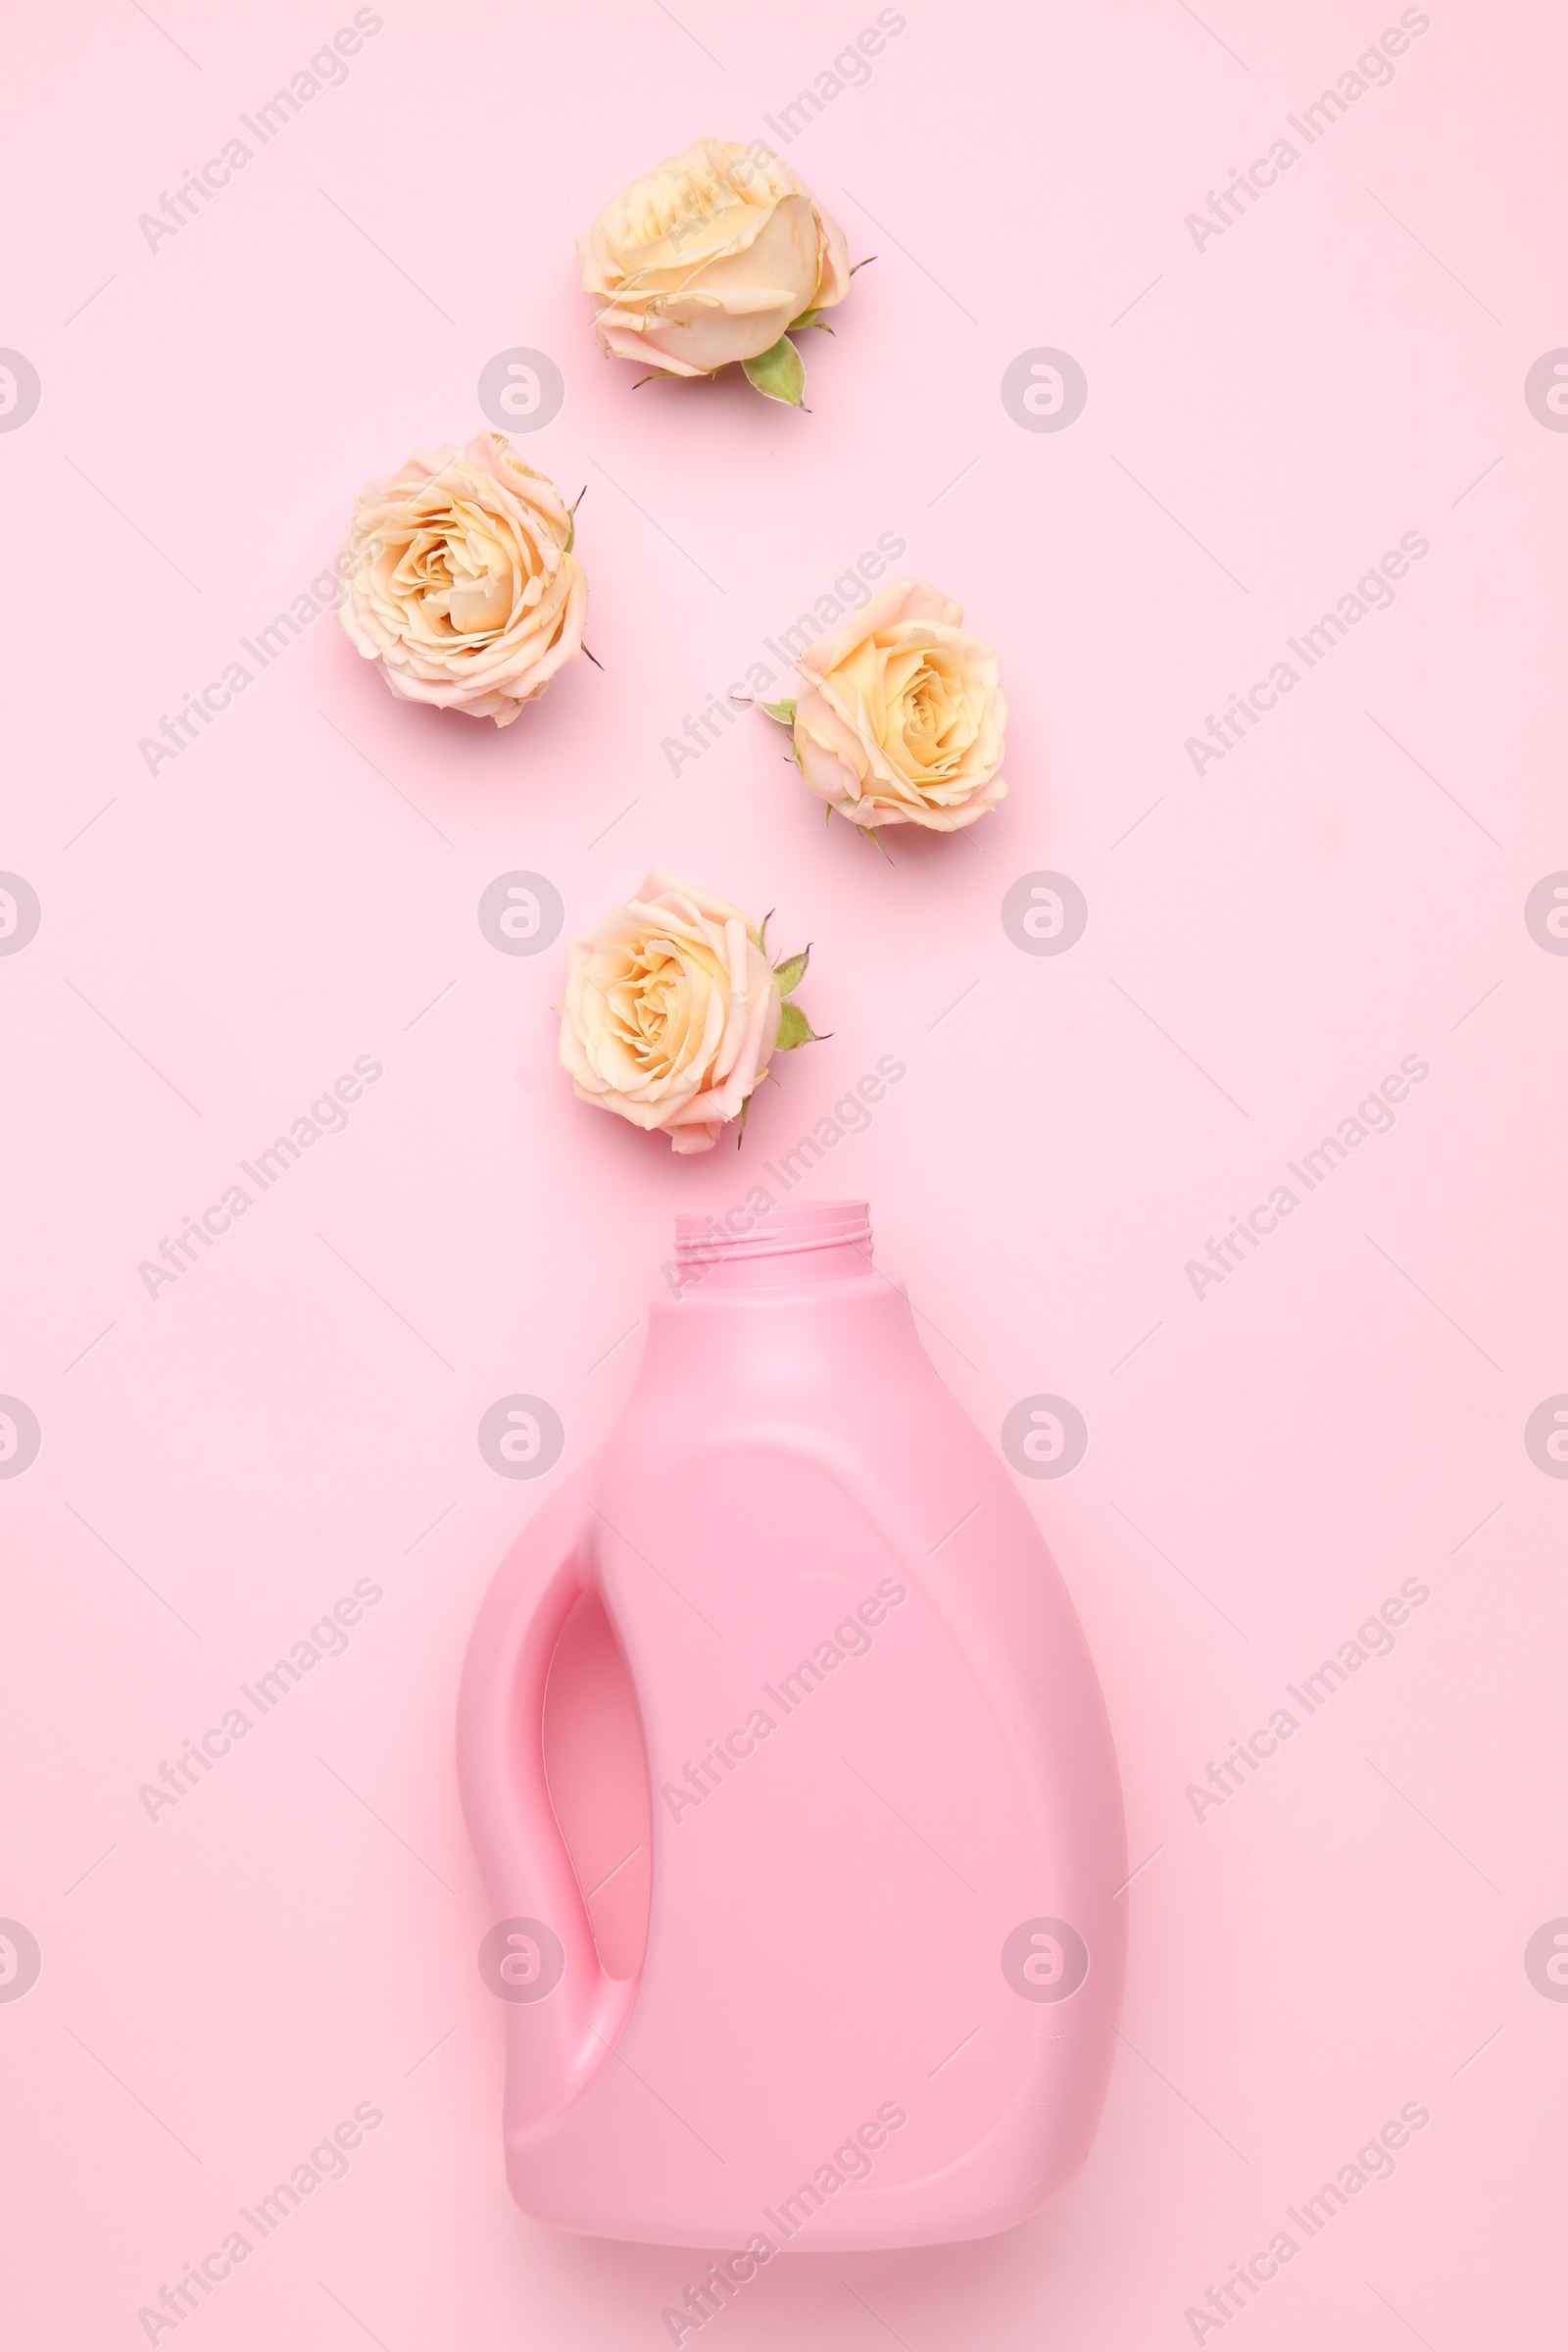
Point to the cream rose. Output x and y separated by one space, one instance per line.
462 582
712 258
673 1012
901 713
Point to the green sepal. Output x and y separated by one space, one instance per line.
807 319
780 372
783 711
792 971
794 1029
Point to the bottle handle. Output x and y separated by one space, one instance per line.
564 2012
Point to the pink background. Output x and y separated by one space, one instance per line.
1265 417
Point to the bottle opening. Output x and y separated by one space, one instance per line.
819 1240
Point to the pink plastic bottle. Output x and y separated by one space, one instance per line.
793 1792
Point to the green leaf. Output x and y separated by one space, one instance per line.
792 971
783 711
779 372
795 1029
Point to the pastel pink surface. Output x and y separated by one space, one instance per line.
220 941
808 1558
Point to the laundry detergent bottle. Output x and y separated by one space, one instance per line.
793 1792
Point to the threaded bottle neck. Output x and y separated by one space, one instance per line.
819 1241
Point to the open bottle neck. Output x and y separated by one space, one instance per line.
743 1249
